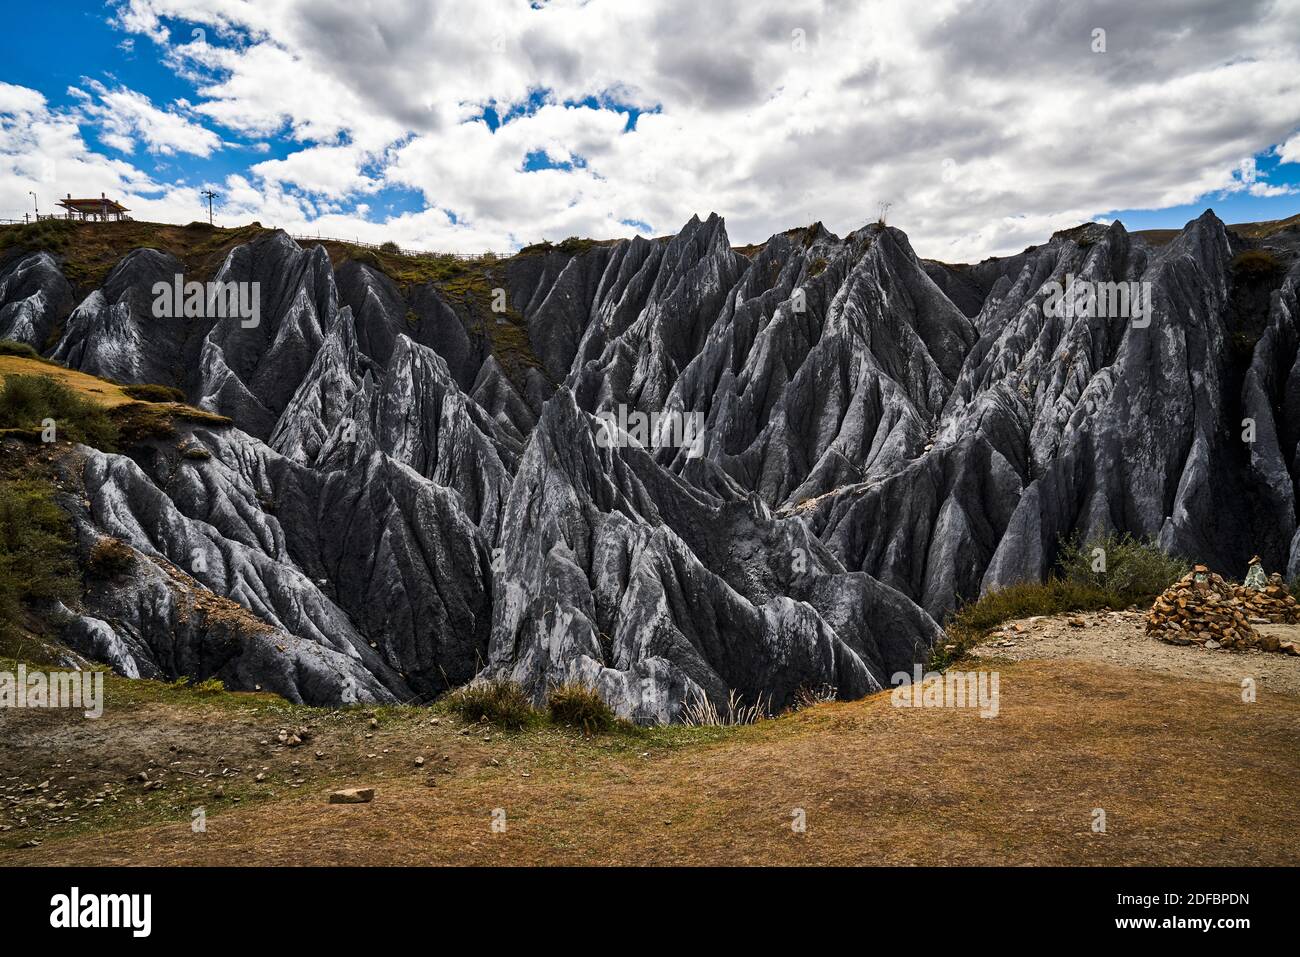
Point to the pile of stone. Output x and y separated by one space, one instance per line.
1202 608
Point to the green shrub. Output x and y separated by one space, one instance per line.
8 347
501 702
28 400
1135 570
50 234
154 393
36 551
389 247
579 706
1255 264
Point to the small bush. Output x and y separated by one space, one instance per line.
110 558
8 347
1135 571
1255 264
390 247
28 400
154 393
36 552
580 706
501 702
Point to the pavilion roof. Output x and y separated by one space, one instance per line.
96 204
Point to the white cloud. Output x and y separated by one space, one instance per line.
1289 152
125 116
987 125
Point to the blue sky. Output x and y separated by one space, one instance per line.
496 124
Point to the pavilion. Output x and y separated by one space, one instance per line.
102 210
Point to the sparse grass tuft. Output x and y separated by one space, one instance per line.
579 706
205 689
501 702
806 697
702 712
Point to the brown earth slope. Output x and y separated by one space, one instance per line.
1186 772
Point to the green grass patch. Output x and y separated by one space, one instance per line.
8 347
154 393
29 402
37 561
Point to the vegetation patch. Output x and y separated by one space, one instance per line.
37 561
1255 265
89 251
580 706
110 558
500 702
1115 571
701 712
8 347
154 393
30 402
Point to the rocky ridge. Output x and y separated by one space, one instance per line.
881 438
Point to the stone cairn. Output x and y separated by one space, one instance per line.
1201 608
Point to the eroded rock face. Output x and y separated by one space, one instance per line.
34 298
879 438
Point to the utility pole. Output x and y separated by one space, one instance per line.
211 196
35 207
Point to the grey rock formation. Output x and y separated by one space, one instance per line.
34 298
873 440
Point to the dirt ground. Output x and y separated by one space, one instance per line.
1185 771
1119 638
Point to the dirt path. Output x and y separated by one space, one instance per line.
1119 638
1185 771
